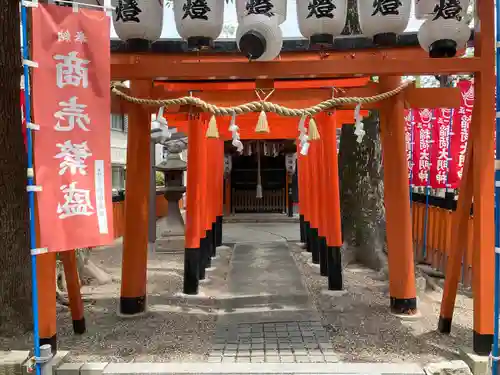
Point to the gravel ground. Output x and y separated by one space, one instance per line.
170 331
363 330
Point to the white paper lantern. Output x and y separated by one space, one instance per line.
383 20
259 37
138 21
199 22
271 8
443 37
450 8
320 21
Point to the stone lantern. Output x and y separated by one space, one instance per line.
172 231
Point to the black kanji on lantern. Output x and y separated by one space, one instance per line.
260 7
127 11
448 9
386 7
196 9
321 8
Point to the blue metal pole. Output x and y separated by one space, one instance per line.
427 192
497 199
31 194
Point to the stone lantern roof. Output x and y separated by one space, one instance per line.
173 163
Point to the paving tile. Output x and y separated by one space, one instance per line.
218 346
216 353
257 359
331 358
257 346
244 353
228 359
214 360
243 359
258 353
287 359
271 345
272 359
302 359
317 359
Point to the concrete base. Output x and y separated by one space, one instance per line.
447 368
11 363
302 245
477 363
223 248
313 264
306 254
334 293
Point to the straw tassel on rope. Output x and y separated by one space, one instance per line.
262 123
212 130
313 130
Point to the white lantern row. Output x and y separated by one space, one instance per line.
444 30
138 22
199 22
321 21
259 36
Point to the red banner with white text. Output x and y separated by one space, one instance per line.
422 137
460 132
409 143
72 147
439 148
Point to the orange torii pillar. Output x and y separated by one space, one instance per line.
70 266
135 237
399 231
312 187
303 197
219 193
458 241
202 205
208 202
321 194
192 256
301 193
332 203
46 281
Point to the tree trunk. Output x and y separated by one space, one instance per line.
15 281
362 196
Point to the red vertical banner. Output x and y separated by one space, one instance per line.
72 146
422 120
440 148
460 133
409 142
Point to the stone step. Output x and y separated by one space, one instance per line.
230 302
262 368
260 218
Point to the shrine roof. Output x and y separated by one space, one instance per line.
351 43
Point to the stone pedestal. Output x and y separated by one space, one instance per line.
171 228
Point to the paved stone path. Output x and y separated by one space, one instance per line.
270 319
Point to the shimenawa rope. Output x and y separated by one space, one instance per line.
259 106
